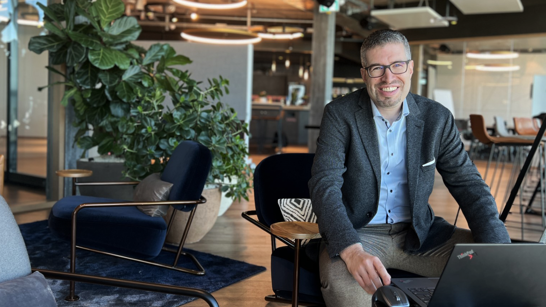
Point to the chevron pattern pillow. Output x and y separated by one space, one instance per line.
297 210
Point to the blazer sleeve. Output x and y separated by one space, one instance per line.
466 185
336 229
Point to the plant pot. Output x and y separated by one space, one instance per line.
203 220
226 202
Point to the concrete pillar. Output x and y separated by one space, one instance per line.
322 62
417 57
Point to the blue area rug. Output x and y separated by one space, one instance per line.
47 251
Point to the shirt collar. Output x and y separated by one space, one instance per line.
376 113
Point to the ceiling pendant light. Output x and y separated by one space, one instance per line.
220 36
492 55
212 6
287 63
306 75
281 33
300 71
497 67
274 65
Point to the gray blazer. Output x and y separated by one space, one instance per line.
346 175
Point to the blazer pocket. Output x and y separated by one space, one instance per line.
428 166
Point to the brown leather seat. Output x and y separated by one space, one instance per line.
477 123
525 126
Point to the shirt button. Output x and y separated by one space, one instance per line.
390 130
391 191
369 214
392 154
388 173
389 211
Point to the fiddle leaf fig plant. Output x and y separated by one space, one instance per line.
117 90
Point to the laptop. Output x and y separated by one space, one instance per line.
484 275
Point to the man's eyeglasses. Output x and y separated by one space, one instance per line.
397 68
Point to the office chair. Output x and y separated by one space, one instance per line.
118 228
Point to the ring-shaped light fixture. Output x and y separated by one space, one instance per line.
221 36
493 55
212 6
497 67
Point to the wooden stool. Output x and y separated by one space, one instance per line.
74 174
296 231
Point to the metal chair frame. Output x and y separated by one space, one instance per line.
201 271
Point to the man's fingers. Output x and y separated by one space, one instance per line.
382 271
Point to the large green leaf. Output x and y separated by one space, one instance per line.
109 77
87 75
75 54
53 12
86 40
97 98
132 74
108 10
119 109
154 54
54 30
39 44
85 142
67 95
178 60
124 29
125 92
90 18
59 57
69 13
106 58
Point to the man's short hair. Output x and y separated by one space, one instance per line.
380 38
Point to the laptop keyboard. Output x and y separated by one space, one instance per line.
424 294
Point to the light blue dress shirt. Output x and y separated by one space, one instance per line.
394 193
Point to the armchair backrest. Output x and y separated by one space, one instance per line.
14 262
280 176
500 126
187 169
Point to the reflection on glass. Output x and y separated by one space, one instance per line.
32 106
3 94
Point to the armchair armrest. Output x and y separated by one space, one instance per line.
211 301
247 216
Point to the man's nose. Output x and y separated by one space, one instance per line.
388 76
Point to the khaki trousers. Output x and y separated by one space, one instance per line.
385 241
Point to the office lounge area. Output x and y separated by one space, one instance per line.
471 91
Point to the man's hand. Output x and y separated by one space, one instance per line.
365 268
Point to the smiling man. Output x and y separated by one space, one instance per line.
373 174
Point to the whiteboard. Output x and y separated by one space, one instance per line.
445 97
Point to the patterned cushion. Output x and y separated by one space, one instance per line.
297 210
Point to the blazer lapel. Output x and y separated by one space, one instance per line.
368 134
414 134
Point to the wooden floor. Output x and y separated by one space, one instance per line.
234 237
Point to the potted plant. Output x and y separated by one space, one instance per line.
117 90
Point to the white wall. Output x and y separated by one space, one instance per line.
505 94
210 61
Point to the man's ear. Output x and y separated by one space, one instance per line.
363 74
410 67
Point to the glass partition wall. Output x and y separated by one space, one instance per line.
489 77
23 109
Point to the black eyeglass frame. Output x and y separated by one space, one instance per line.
389 67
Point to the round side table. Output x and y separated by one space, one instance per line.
297 231
74 174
